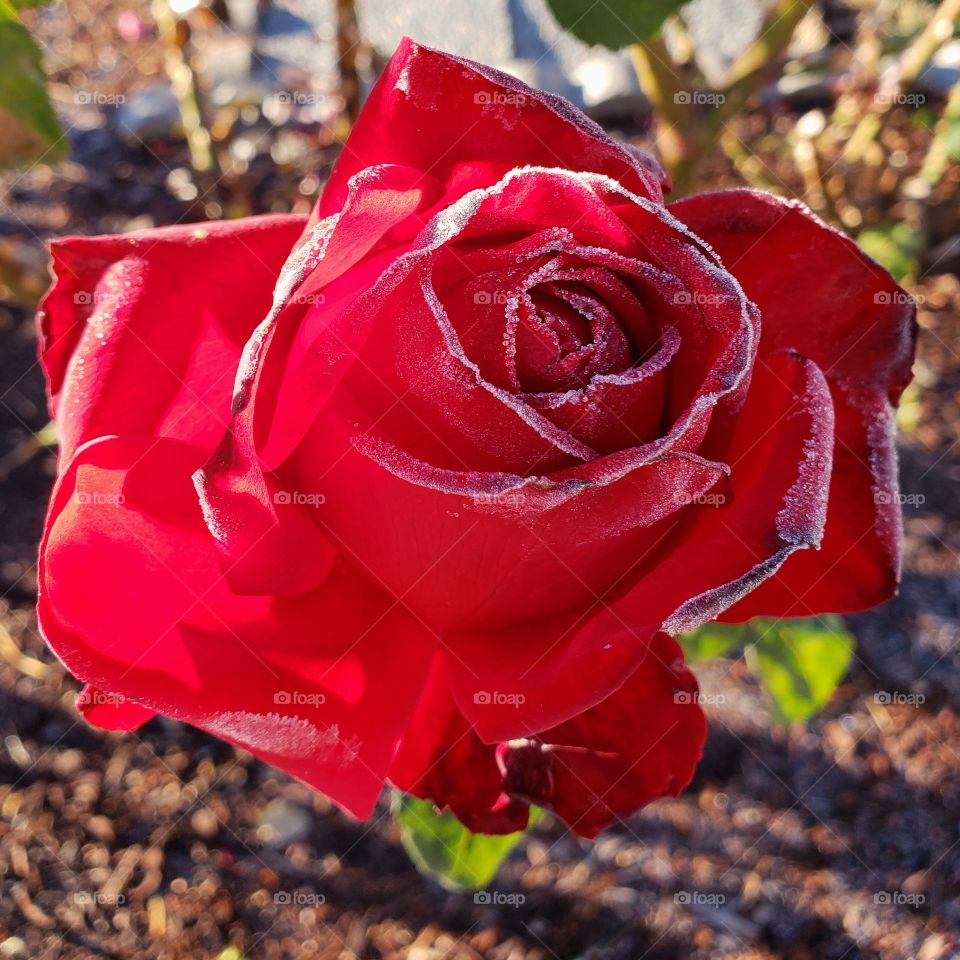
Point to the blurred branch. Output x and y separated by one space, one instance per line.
184 86
348 43
912 61
9 651
938 153
774 38
661 85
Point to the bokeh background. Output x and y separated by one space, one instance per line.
835 839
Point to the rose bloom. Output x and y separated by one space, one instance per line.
419 489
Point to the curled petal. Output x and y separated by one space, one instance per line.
821 295
723 544
128 349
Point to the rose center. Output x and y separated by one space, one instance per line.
562 334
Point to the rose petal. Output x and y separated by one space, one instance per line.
641 743
141 333
727 542
858 325
239 493
466 125
111 711
133 601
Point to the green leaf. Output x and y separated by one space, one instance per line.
895 246
711 640
29 129
613 23
443 848
800 662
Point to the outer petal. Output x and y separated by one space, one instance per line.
715 552
133 601
819 294
467 124
142 333
641 743
297 354
111 711
440 758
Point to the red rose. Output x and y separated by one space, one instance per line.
505 423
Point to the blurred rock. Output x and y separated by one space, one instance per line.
283 823
721 30
149 114
942 73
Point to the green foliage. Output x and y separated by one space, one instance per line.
29 129
895 246
442 848
712 640
613 23
800 662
